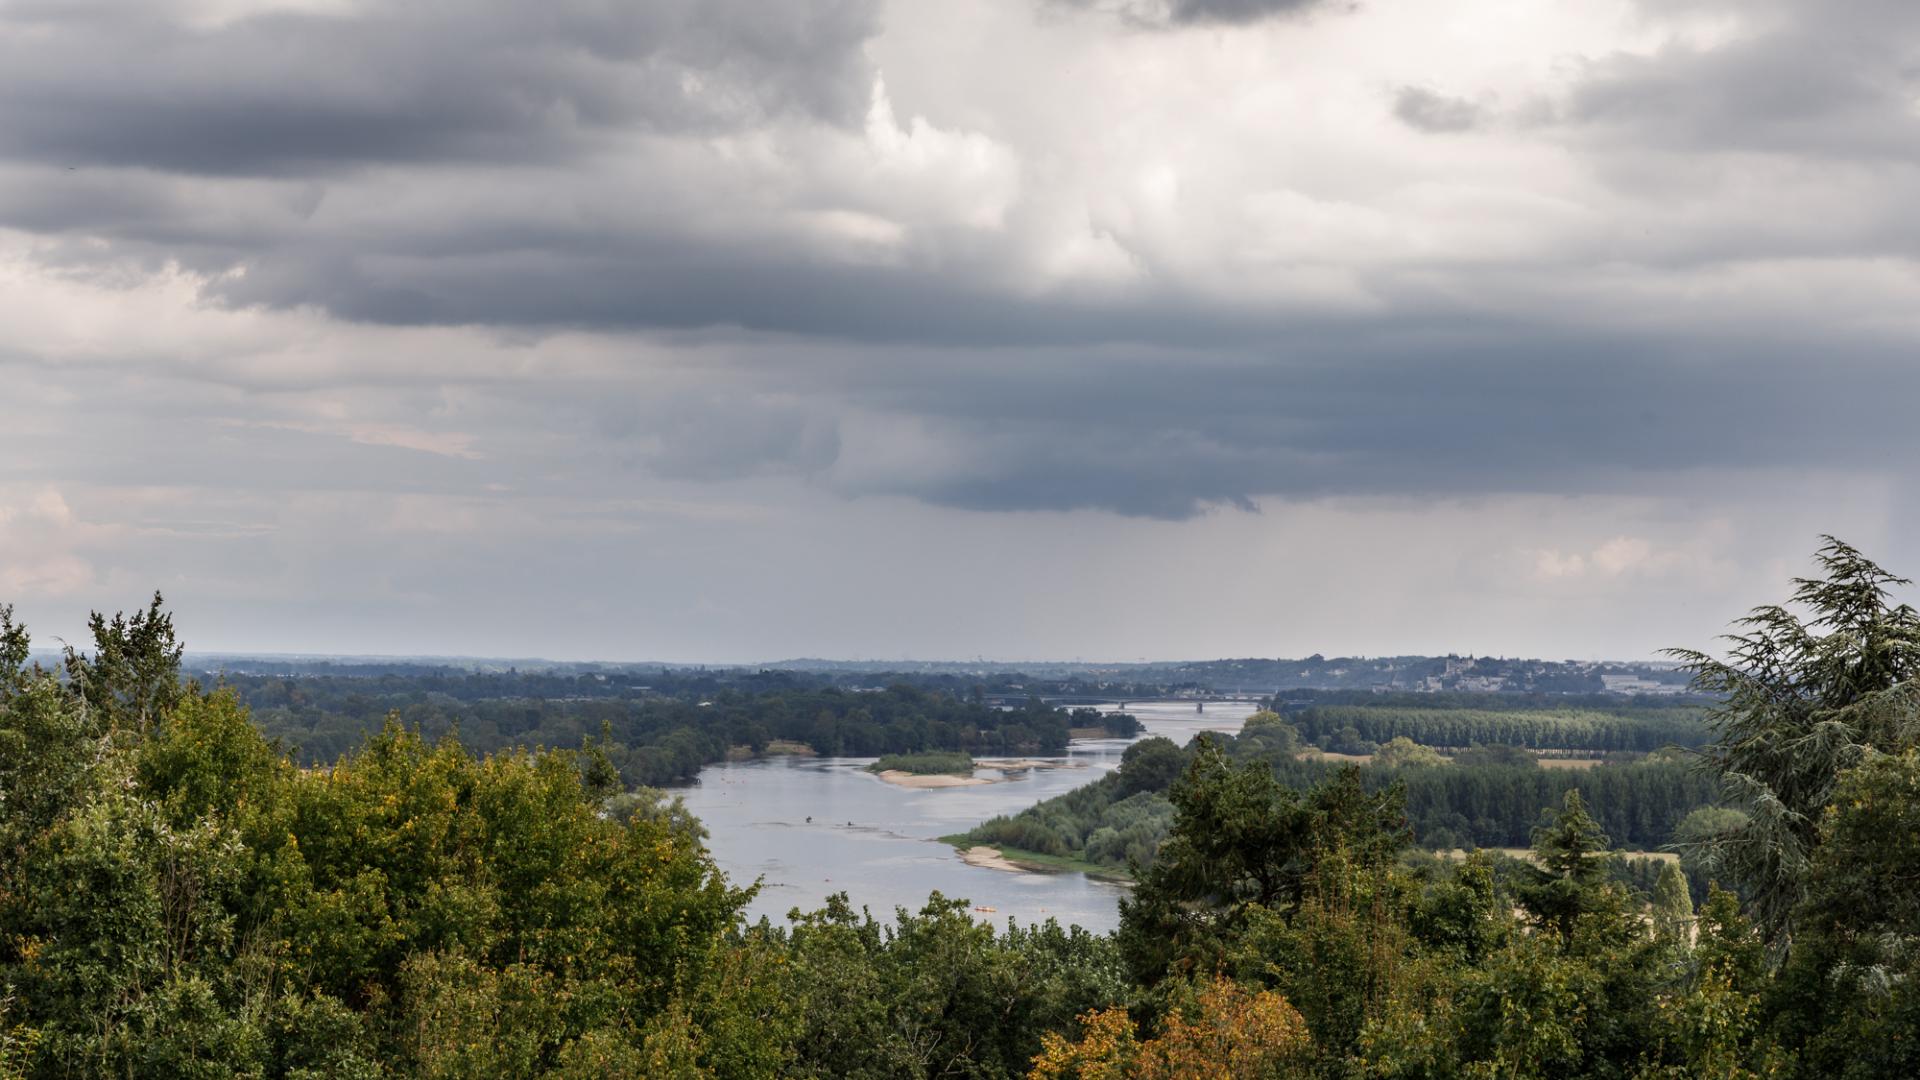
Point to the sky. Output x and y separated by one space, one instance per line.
720 330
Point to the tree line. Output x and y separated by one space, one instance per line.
656 735
1641 730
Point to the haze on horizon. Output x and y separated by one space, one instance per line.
711 330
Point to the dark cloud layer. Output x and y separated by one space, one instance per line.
124 84
1235 11
1201 12
1501 409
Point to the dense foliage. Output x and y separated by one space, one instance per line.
1492 800
657 733
181 898
925 764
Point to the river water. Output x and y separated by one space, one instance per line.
810 827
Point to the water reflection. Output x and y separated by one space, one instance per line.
809 827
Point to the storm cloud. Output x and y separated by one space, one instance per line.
146 83
631 269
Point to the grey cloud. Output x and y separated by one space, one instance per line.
530 241
123 84
1464 409
1202 12
1235 11
718 435
1430 111
516 261
1834 80
660 282
1434 409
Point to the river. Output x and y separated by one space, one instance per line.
810 827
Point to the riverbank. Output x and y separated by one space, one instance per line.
1019 861
990 858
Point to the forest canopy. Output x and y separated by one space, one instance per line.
655 733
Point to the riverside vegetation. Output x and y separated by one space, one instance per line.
181 897
1484 796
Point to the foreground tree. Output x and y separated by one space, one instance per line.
1849 995
177 899
1223 1029
1804 699
1242 843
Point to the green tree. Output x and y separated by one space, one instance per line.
1693 838
1709 1026
1803 700
1151 765
936 994
132 677
1242 841
1672 905
1401 752
1851 989
178 898
15 648
1267 734
1571 879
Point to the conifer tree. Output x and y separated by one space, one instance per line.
1804 700
1571 878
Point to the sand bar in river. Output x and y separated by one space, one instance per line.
989 857
902 778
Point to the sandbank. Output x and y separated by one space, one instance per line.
989 857
902 778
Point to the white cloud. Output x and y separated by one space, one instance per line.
42 545
1619 556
